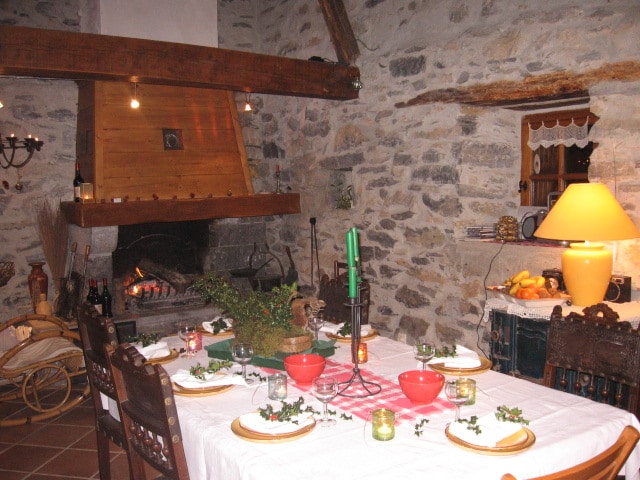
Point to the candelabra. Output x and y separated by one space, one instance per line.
12 144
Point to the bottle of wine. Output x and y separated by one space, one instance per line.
93 298
106 300
77 181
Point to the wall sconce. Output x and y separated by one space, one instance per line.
12 144
356 83
134 101
247 104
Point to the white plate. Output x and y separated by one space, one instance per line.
500 293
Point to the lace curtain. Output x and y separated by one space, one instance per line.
568 136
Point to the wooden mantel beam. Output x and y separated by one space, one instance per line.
533 89
84 56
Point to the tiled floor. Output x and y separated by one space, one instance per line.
60 448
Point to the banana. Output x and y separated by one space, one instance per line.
540 281
521 275
527 282
514 289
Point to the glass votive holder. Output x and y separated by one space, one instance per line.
363 356
277 384
468 386
86 192
383 424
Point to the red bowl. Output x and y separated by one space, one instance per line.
304 367
421 386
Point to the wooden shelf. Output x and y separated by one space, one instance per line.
143 211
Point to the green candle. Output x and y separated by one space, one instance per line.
351 262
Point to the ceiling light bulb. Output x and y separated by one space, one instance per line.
247 107
135 103
1 105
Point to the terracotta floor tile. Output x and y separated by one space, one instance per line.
17 459
58 435
72 463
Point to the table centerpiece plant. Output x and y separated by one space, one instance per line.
263 319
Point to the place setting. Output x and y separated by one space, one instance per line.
217 327
341 332
456 360
154 350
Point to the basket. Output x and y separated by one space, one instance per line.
296 344
7 270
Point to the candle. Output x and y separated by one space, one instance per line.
467 387
383 427
363 357
352 253
277 386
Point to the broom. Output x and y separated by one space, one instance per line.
54 236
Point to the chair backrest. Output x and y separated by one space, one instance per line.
95 331
594 357
148 412
604 466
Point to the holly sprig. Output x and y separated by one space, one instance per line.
472 424
514 415
199 371
219 325
145 339
446 351
287 413
419 426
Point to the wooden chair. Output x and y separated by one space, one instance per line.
594 356
95 332
148 411
604 466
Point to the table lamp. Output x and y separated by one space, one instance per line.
586 213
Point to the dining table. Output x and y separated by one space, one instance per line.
566 429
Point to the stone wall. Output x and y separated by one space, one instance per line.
419 175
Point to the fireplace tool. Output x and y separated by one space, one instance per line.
367 389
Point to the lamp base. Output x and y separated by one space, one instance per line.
586 270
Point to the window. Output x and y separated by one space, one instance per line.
560 155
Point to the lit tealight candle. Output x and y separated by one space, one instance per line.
383 424
363 357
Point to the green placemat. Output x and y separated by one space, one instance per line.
222 350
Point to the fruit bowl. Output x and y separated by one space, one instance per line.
421 386
304 367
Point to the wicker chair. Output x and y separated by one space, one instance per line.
96 331
42 366
604 466
148 412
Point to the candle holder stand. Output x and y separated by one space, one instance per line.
367 389
278 188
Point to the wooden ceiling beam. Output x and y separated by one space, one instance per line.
534 89
342 37
84 56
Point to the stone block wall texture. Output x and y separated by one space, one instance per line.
418 175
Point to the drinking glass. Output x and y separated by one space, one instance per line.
315 324
423 352
325 388
243 353
456 395
187 333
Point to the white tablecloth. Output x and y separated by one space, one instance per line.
568 430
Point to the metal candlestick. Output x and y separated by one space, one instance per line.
278 189
367 389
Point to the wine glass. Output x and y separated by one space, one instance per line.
325 388
187 333
456 395
315 324
423 352
243 353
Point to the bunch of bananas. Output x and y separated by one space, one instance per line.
524 280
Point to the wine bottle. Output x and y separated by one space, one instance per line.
93 298
77 181
106 300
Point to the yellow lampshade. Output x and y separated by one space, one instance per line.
587 212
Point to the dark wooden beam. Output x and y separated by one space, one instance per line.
70 55
342 37
134 212
534 89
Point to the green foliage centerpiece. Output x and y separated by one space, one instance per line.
263 319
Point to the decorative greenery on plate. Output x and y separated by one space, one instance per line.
287 413
446 351
472 424
219 325
199 371
145 339
514 415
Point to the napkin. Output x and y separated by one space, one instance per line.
334 328
465 358
492 431
155 350
254 422
184 379
209 328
